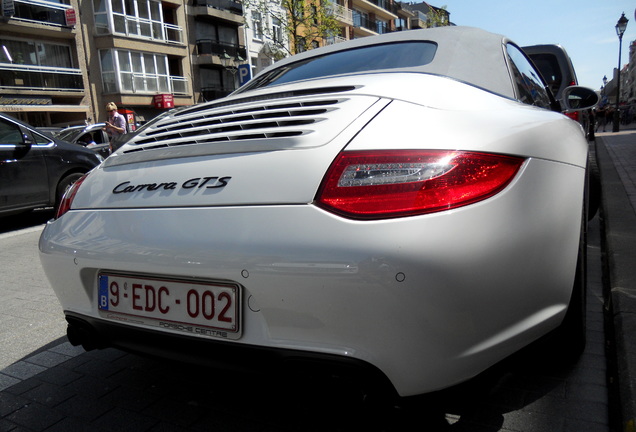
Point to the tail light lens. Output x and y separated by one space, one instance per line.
69 196
386 184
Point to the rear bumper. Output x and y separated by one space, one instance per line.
93 333
429 301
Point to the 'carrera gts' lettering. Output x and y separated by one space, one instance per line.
197 182
207 182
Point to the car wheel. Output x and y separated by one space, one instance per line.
63 186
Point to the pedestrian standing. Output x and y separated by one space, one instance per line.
116 123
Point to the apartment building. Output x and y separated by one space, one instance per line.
137 56
217 47
265 34
43 63
61 61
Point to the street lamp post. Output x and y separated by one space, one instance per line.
621 25
231 64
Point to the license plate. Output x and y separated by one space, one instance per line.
200 308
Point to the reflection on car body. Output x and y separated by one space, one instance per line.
411 215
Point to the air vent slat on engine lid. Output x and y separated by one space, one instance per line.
276 119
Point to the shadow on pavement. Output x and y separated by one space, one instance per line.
113 390
25 220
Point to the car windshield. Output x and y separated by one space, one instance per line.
375 57
70 134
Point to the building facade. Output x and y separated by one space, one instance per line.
217 46
62 61
43 65
137 56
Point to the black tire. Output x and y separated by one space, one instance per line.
64 185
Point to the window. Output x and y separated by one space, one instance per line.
368 58
136 18
530 87
10 133
134 72
277 30
35 53
257 24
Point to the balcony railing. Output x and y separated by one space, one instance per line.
40 78
227 5
334 40
382 27
341 13
210 46
41 12
179 85
139 83
145 28
386 5
364 21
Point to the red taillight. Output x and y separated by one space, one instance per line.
385 184
69 196
573 115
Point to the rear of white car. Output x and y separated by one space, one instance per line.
292 231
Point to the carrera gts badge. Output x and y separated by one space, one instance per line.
197 182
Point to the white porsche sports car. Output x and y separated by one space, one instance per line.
408 208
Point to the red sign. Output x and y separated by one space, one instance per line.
71 17
164 101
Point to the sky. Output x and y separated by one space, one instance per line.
585 28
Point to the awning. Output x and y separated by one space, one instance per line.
44 108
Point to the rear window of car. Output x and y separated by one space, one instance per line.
369 58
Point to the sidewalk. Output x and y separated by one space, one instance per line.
616 158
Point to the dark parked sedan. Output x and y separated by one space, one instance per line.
36 168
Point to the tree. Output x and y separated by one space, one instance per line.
303 23
437 17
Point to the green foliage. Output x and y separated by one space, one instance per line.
304 23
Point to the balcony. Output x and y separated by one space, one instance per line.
386 5
212 47
41 12
341 13
380 8
127 83
364 22
42 78
144 28
331 40
179 85
225 5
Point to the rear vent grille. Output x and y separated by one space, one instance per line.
274 120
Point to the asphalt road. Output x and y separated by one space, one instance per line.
48 385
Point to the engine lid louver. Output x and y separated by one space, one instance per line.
270 121
260 123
